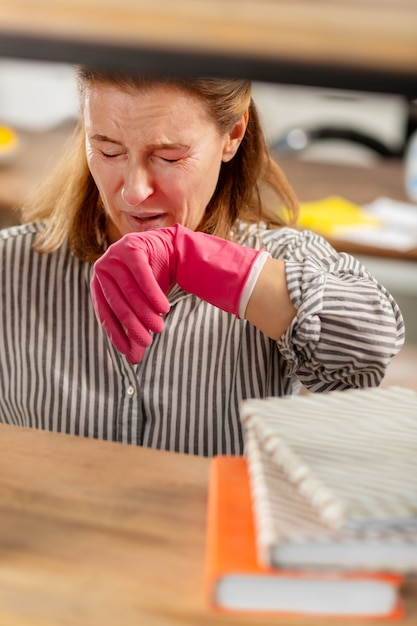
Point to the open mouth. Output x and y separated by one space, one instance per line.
146 218
138 222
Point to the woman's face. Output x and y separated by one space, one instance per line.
154 155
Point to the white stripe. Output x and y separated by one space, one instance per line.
59 371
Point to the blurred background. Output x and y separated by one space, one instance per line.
354 146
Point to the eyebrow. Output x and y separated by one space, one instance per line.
100 137
156 146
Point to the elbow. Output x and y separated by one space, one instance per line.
347 352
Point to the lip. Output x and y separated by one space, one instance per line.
143 222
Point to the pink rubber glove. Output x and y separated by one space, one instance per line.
131 279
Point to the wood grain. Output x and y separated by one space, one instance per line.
96 533
375 34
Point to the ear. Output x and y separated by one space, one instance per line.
234 137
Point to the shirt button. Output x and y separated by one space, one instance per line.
130 391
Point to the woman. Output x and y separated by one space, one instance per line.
170 206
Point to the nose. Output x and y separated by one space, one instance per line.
137 186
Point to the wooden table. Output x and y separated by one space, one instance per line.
367 45
103 534
315 180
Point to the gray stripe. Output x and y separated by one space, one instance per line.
59 371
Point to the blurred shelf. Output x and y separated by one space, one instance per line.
39 152
366 45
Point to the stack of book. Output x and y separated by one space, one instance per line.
320 516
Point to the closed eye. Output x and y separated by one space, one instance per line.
169 160
109 156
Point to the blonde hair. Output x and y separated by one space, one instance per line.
251 187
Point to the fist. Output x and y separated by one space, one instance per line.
129 287
132 278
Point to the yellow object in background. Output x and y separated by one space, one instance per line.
9 143
333 215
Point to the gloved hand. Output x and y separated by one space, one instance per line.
131 279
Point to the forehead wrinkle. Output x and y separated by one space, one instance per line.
162 145
132 125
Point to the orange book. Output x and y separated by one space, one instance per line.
236 582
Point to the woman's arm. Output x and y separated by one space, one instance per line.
339 327
270 308
334 323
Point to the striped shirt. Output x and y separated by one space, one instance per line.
59 371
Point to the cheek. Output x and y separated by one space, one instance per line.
106 178
210 177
